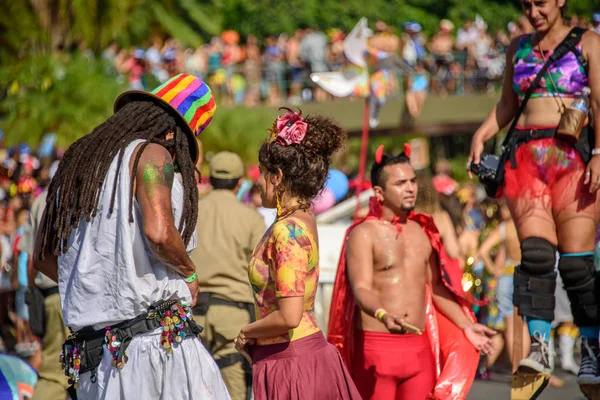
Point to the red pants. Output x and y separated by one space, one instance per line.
393 367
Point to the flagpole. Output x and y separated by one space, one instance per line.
362 166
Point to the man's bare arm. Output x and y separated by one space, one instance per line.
492 240
154 180
49 265
444 299
359 264
479 335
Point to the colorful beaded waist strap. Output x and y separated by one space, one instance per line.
82 351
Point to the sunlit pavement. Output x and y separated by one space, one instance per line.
499 388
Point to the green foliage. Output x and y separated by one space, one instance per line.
69 96
496 14
266 17
583 7
132 22
240 130
138 32
18 26
175 26
207 17
85 12
457 166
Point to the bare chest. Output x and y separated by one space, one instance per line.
403 254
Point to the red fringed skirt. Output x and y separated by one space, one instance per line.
552 171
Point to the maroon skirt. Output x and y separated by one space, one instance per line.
305 369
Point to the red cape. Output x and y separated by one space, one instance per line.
456 358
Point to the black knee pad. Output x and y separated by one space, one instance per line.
579 278
538 256
535 279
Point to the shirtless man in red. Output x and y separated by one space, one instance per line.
391 263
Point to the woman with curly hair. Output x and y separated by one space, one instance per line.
290 356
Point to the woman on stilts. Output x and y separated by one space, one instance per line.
551 175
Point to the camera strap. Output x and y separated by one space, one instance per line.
509 144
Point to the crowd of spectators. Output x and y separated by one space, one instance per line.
246 71
25 173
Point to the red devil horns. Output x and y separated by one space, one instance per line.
407 149
379 155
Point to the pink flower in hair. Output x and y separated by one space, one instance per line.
291 128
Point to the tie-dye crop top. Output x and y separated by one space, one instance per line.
285 263
568 74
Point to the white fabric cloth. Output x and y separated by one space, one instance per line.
188 373
466 37
108 273
409 51
562 305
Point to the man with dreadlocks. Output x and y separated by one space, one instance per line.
395 280
119 223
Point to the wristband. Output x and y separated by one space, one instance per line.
192 278
380 313
596 151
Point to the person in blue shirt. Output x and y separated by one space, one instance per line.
17 378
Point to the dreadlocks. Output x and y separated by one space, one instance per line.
74 192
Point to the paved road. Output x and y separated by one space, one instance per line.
499 389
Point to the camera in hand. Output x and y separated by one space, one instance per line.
487 168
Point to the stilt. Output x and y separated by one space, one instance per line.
526 384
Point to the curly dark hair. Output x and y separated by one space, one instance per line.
305 165
74 192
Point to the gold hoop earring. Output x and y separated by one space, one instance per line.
279 211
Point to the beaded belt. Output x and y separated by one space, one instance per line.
82 351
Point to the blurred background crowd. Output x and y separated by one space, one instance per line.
60 72
248 71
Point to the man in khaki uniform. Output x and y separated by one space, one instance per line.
227 235
52 383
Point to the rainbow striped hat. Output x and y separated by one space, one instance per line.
186 97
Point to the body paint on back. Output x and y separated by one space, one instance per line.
155 175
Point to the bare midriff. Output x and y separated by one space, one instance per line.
543 112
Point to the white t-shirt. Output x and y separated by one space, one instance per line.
466 37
